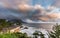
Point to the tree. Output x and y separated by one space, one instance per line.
16 21
3 23
41 35
21 35
38 33
56 32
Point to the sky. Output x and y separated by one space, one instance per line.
31 2
31 10
43 2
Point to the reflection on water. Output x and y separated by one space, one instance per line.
47 26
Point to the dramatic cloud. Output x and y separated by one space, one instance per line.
56 3
22 9
50 14
43 18
54 15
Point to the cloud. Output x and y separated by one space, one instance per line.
33 12
2 4
51 7
14 3
24 7
50 14
56 3
43 18
54 15
38 12
37 6
28 7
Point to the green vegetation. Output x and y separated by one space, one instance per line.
38 33
5 24
14 35
56 32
